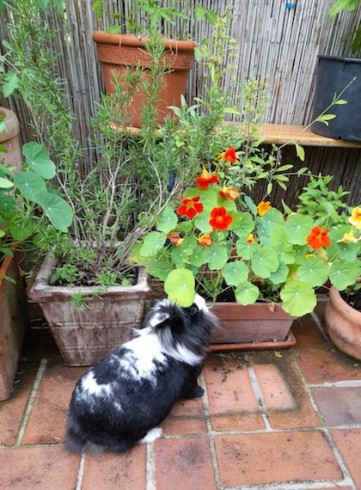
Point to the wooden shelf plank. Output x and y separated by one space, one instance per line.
280 134
283 133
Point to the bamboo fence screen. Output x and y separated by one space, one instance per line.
276 39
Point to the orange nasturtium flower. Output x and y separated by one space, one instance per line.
250 239
230 155
205 240
263 207
190 207
318 238
229 193
220 220
206 179
355 218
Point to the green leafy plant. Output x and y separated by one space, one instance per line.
216 241
350 5
28 201
151 16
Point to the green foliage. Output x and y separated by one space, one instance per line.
273 257
25 193
351 5
152 16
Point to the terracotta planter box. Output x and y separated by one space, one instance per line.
117 52
85 335
12 322
256 326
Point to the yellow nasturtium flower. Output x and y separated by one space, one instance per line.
355 218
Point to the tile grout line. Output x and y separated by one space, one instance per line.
31 402
306 485
79 480
259 396
347 478
210 434
150 467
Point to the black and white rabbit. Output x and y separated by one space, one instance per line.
121 400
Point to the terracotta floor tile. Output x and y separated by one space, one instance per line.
286 399
183 464
232 402
12 410
48 416
326 367
275 458
109 471
308 334
275 391
339 405
186 417
38 468
349 444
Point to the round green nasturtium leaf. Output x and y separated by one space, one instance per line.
313 271
246 293
298 227
167 220
38 159
30 185
180 287
344 273
264 261
235 272
298 298
58 211
152 244
217 256
280 275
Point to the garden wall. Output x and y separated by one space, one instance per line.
276 39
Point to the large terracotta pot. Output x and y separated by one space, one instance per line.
12 321
258 326
343 324
116 52
85 335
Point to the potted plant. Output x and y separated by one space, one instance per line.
27 204
145 46
336 74
99 296
217 241
343 309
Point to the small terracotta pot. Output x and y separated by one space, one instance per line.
10 139
343 324
116 52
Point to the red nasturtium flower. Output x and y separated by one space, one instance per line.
220 220
263 207
190 207
206 179
205 240
318 238
229 193
230 155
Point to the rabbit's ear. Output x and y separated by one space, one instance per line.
159 319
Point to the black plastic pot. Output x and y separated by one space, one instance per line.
333 75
